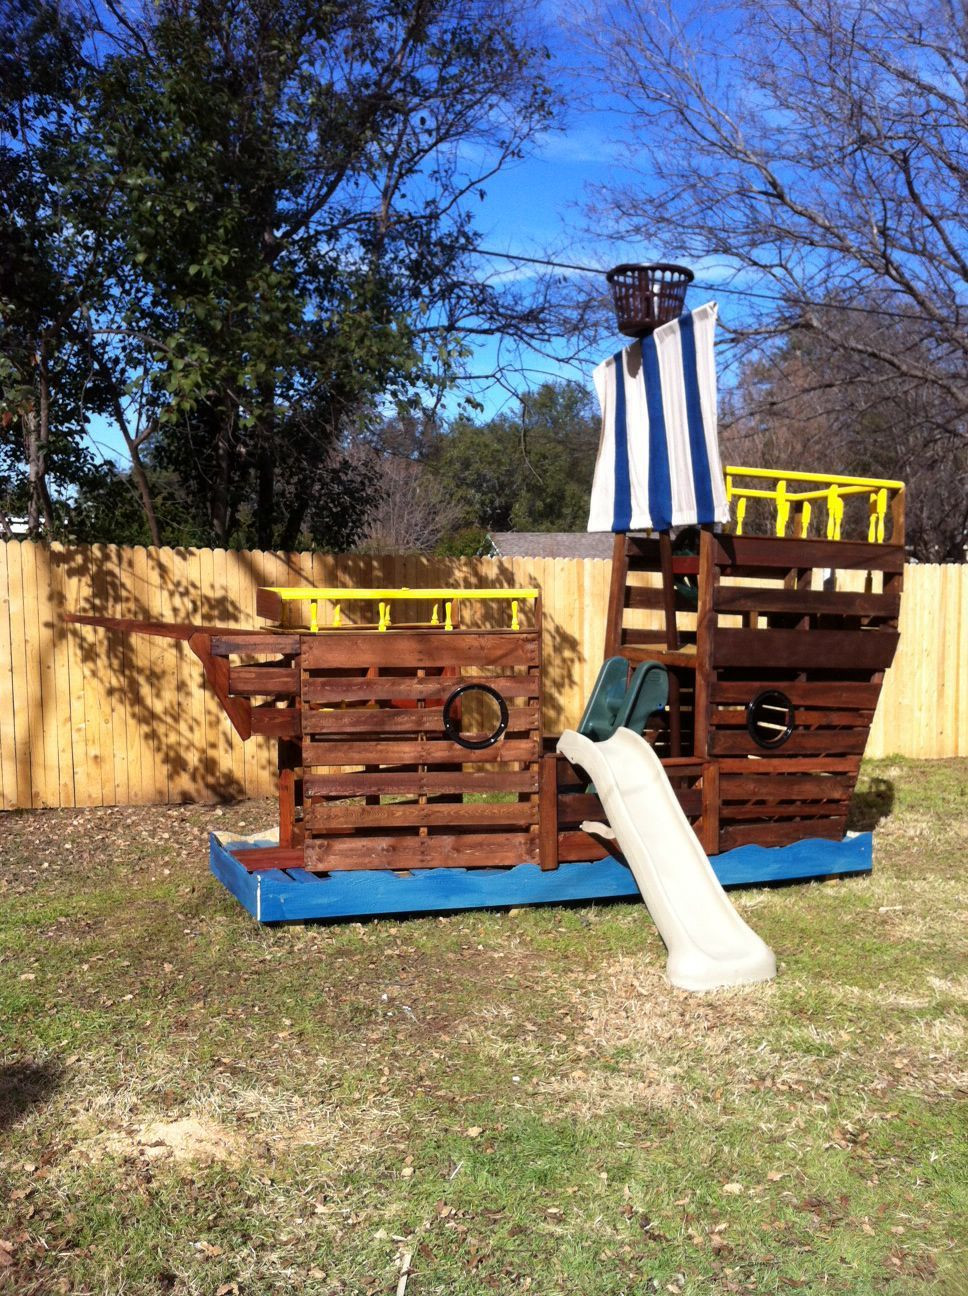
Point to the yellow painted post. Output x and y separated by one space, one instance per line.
833 500
872 519
514 615
435 616
313 616
740 514
782 508
448 621
881 513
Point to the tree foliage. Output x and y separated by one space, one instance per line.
263 209
528 471
46 268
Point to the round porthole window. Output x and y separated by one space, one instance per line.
769 718
493 706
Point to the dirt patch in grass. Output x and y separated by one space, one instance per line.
190 1141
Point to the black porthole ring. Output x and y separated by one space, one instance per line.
752 720
452 727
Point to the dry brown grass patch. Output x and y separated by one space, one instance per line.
188 1141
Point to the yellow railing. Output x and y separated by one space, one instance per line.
827 488
384 598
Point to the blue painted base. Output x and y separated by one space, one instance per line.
276 896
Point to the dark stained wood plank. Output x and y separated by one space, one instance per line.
802 693
805 810
268 604
478 814
642 597
263 681
287 807
616 596
781 555
636 653
238 643
780 834
574 807
360 720
708 827
127 625
276 722
643 547
445 850
338 752
897 519
705 629
548 815
259 858
779 787
846 742
803 650
422 648
436 689
754 766
804 717
668 596
417 783
735 599
575 845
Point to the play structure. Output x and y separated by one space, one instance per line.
719 749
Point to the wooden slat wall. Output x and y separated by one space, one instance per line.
93 718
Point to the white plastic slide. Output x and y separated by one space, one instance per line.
709 944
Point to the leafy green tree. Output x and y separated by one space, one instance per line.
529 471
270 202
45 268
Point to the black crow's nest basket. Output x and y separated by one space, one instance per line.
646 296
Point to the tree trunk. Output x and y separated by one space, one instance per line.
265 510
140 478
36 430
223 475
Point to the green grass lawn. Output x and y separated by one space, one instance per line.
516 1102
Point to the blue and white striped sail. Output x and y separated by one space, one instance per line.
658 462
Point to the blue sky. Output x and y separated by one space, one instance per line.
537 207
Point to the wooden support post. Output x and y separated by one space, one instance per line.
897 519
238 710
705 629
668 592
675 714
616 597
287 807
709 823
548 813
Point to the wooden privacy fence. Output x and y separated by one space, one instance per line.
88 717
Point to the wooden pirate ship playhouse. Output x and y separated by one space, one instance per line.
413 771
